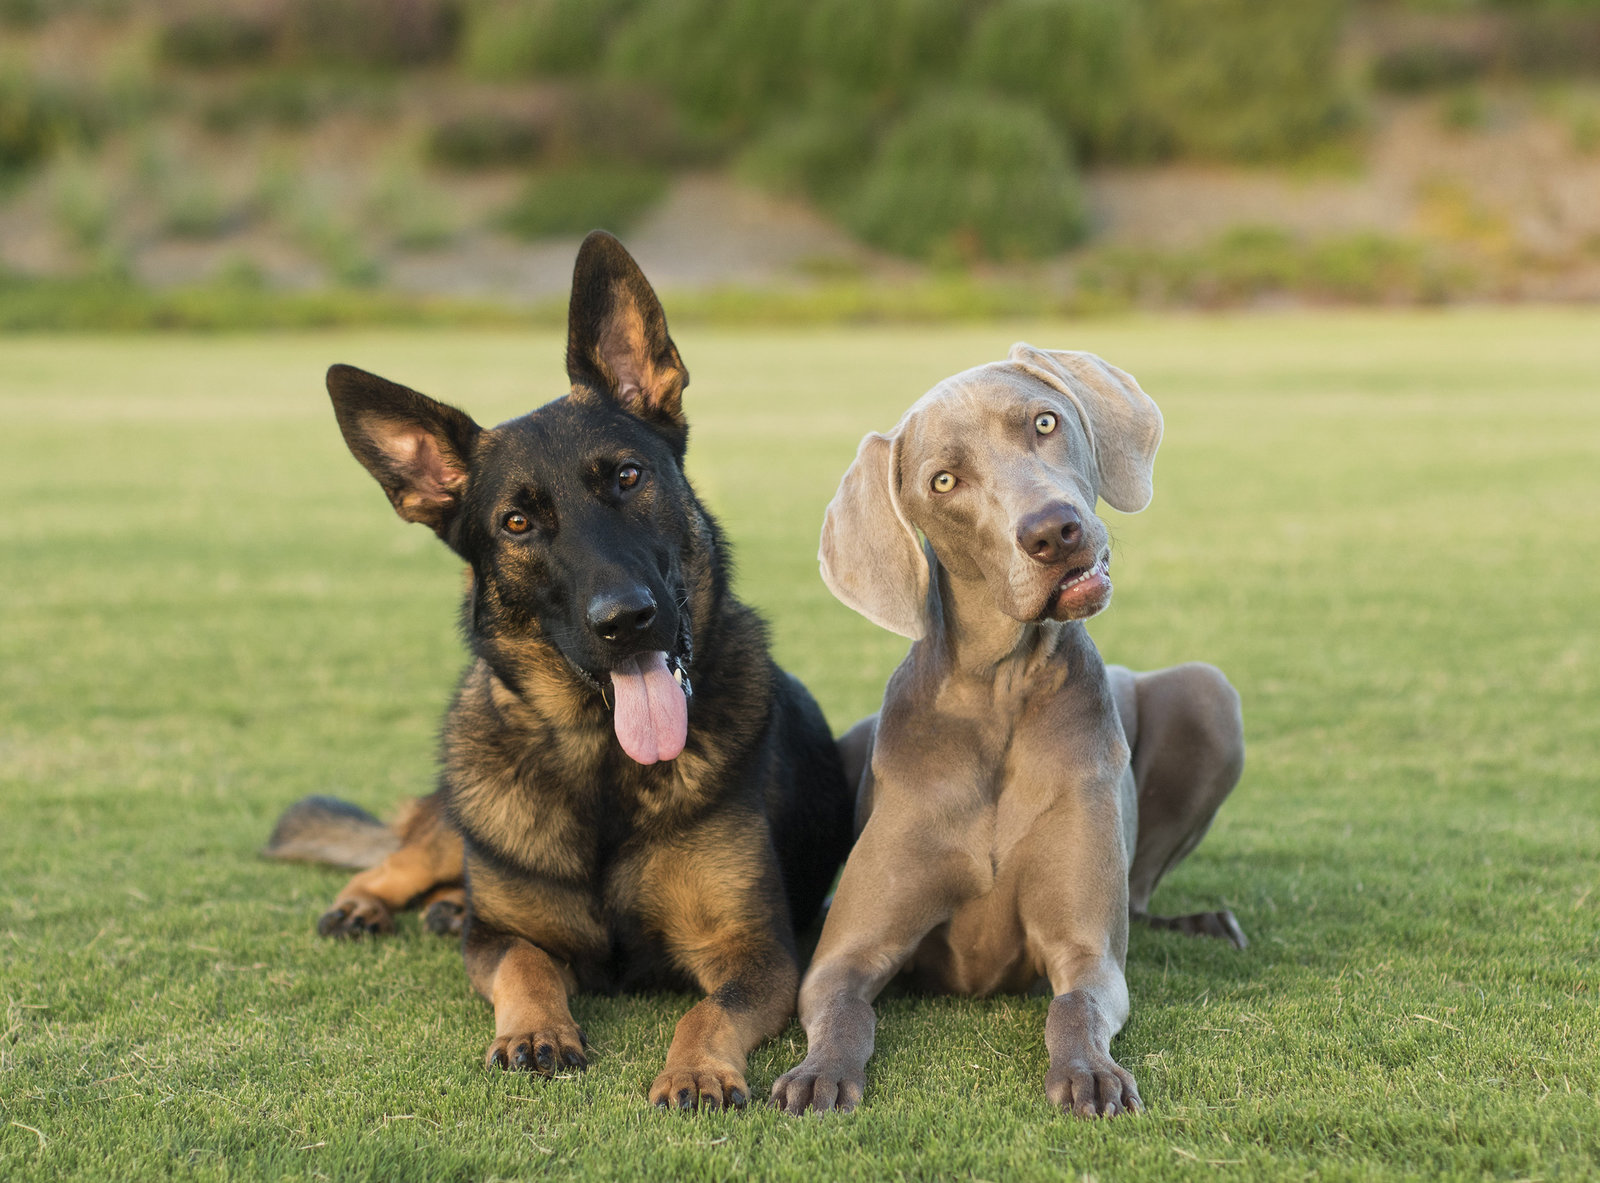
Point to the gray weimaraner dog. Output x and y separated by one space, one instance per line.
1018 800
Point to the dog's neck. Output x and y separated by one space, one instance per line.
976 637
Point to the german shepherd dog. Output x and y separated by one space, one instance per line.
633 795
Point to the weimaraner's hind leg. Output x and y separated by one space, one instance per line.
1187 736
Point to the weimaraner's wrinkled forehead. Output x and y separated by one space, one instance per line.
999 467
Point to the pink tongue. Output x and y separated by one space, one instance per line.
652 716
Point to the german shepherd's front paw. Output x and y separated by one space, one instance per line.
710 1085
815 1084
356 915
541 1052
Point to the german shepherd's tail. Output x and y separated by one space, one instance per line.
326 830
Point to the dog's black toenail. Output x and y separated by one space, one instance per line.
737 1099
546 1057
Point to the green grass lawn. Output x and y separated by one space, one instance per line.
1386 528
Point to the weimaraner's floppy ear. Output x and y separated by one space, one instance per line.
1124 425
871 557
417 449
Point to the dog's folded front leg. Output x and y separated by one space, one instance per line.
836 1006
1083 1078
1075 914
894 891
751 1002
717 901
533 1028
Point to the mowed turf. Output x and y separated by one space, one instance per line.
1386 528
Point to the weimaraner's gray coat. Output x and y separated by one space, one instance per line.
1021 799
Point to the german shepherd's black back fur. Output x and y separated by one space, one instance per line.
591 556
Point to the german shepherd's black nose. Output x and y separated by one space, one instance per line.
618 615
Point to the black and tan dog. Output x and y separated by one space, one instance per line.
633 794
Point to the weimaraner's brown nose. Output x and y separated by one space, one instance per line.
1049 535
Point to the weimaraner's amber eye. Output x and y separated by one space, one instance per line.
1044 423
943 483
515 523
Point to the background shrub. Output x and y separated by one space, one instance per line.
23 14
1413 69
728 64
964 177
373 32
821 152
36 119
485 139
1073 58
580 198
616 122
215 37
1241 79
286 98
506 39
885 49
1557 39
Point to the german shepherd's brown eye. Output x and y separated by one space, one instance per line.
515 523
627 476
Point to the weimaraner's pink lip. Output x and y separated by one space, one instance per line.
1081 593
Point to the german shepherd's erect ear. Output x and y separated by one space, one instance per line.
418 449
617 342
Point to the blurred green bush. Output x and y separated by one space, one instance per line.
963 178
1074 58
216 37
1242 79
1249 264
726 63
37 118
485 139
381 33
372 32
509 39
23 14
821 151
580 198
594 122
810 92
887 52
1413 69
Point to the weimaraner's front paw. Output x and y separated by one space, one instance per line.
1092 1086
820 1085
